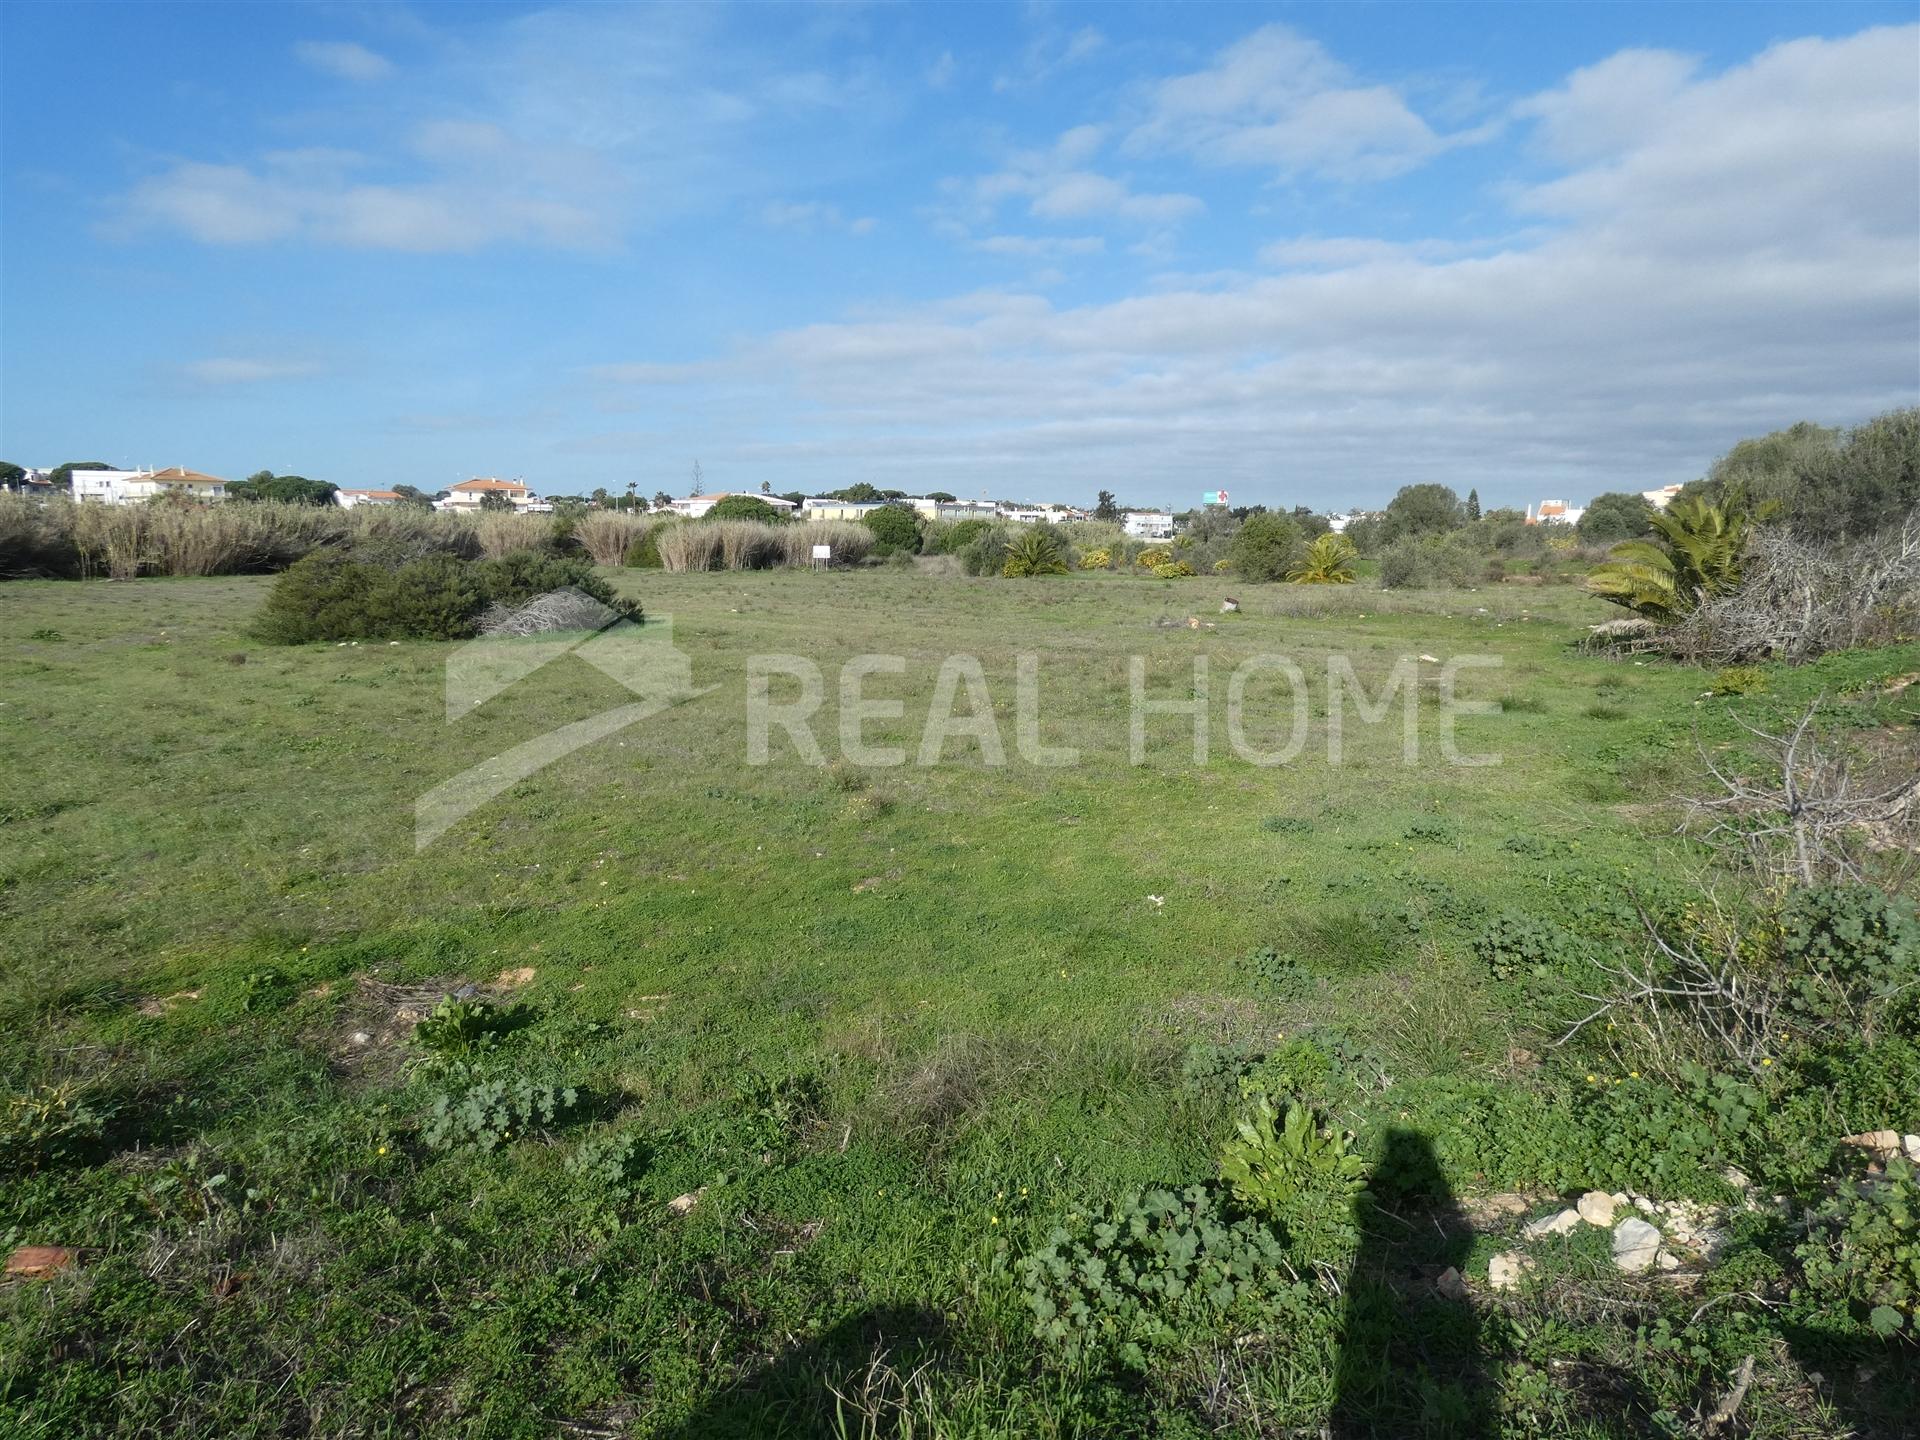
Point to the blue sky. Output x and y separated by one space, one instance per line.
1308 254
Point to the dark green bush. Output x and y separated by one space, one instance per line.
1516 943
487 1113
1266 548
746 507
330 596
952 539
895 528
1861 1256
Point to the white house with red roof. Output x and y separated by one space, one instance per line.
352 499
470 494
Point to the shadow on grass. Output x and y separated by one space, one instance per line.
856 1378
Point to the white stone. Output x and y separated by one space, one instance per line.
683 1204
1736 1177
1636 1245
1558 1224
1506 1270
1596 1207
1667 1260
1911 1144
1451 1285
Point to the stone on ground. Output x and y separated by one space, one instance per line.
1636 1246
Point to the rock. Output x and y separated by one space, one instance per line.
1451 1285
1636 1246
1596 1207
1666 1259
1431 659
1911 1143
1884 1143
36 1262
1558 1224
1229 605
1737 1178
683 1204
361 1037
1505 1271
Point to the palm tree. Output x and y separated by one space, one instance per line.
1700 553
1329 561
1034 553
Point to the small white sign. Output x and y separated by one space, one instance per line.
823 552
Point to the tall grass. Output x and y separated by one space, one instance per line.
502 534
751 545
36 538
607 535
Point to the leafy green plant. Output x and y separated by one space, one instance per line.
1848 952
610 1164
48 1123
1700 553
1031 553
1276 972
1516 943
1290 1164
1740 680
1286 825
1158 1265
462 1028
1329 561
1862 1252
487 1113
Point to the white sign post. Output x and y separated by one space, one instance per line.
821 552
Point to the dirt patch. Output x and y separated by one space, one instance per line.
373 1026
513 979
163 1004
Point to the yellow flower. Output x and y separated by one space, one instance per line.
1591 1079
993 1219
381 1151
1634 1073
1768 1060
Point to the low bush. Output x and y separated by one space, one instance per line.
46 1124
1849 955
330 596
1266 548
1862 1253
746 507
1033 553
1097 559
1174 570
1515 944
895 529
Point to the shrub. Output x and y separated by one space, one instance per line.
432 599
1097 559
745 507
1033 553
1700 552
1138 1275
610 1164
952 538
1740 680
1301 1172
501 533
986 554
323 597
515 579
1174 570
482 1115
894 527
461 1029
36 538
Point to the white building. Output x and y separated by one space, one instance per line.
694 506
1041 514
469 494
1555 512
951 509
1661 498
130 487
1148 524
351 499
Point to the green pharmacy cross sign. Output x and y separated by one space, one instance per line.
1214 497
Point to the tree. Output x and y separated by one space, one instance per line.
600 496
1616 515
1473 506
1266 547
796 497
699 480
412 495
894 528
1701 554
744 507
11 474
1328 561
1310 523
1106 508
941 497
661 499
285 489
1423 510
860 494
494 500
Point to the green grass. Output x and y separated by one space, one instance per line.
895 1020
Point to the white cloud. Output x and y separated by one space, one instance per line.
1041 246
812 215
344 60
1276 99
239 370
1051 51
1056 184
1733 252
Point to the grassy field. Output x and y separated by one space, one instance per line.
896 1022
